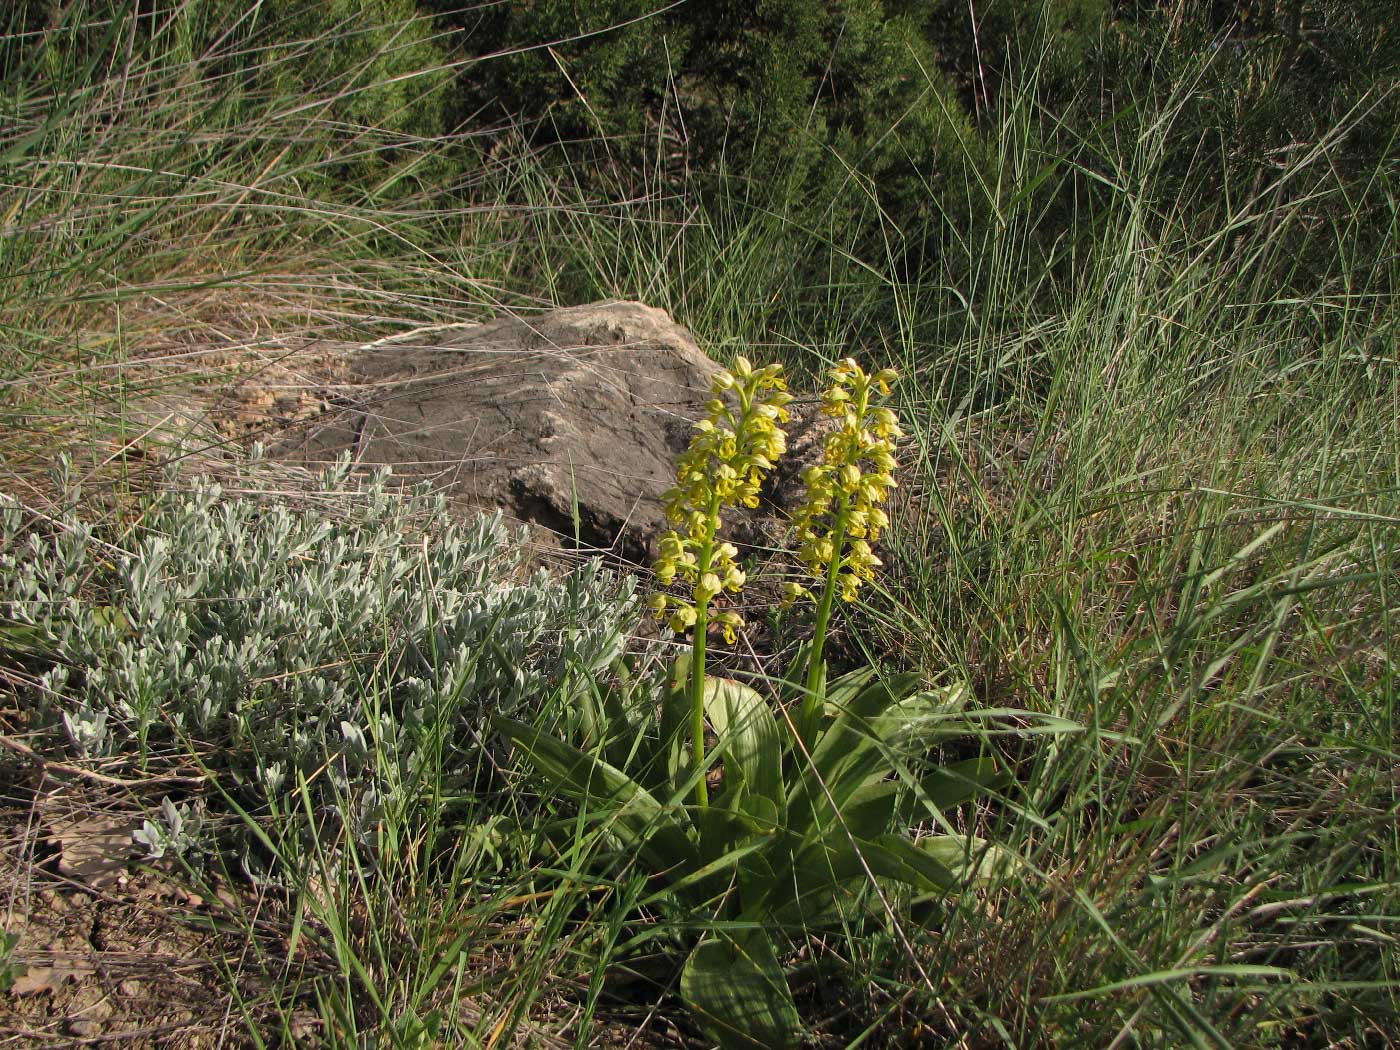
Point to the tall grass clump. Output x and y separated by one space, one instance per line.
1162 503
205 185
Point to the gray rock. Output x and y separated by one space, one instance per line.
580 409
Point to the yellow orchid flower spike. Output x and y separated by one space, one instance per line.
733 447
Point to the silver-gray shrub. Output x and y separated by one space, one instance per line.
356 645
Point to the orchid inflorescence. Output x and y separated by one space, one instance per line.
736 443
839 519
845 490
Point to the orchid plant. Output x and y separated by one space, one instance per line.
821 782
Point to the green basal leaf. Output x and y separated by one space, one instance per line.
876 806
896 857
737 990
971 859
623 721
871 810
849 753
793 685
656 832
722 827
675 719
756 872
956 783
749 739
946 863
698 888
841 693
922 719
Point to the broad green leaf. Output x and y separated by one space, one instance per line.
756 871
874 807
841 693
900 859
841 860
969 858
822 874
736 988
722 828
657 832
924 718
871 809
850 752
749 738
625 722
793 685
701 886
675 718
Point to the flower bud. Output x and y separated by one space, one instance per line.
708 586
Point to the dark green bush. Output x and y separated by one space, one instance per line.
817 110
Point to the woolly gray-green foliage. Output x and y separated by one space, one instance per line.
344 646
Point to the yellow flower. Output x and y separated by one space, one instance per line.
849 586
731 450
840 514
728 621
707 588
683 618
794 592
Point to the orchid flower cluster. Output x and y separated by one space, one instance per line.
839 519
844 492
736 443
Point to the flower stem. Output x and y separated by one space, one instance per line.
697 659
815 697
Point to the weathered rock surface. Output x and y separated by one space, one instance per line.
584 408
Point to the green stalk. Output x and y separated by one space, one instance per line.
702 623
697 661
815 697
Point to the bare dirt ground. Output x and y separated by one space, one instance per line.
101 952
